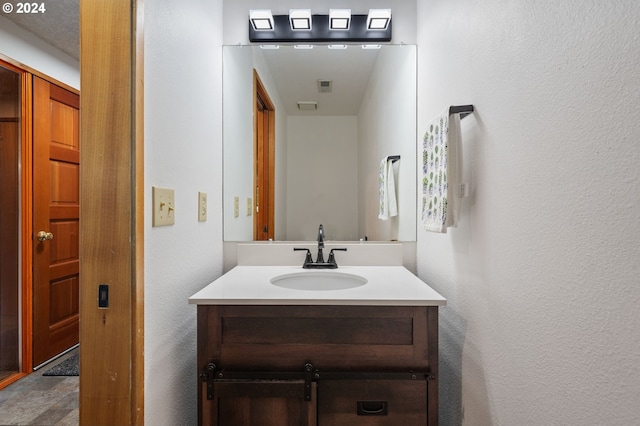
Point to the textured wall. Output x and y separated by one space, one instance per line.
183 146
541 274
386 126
322 179
22 46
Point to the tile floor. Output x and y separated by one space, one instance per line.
41 400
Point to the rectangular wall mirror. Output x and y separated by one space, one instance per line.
304 132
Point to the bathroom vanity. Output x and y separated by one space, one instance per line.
278 347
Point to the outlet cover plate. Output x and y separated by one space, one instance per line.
202 206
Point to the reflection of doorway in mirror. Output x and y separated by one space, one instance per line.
264 154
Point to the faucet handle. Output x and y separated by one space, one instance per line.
332 258
308 259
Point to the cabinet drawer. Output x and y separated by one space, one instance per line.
372 402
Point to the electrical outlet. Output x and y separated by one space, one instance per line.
236 206
202 206
249 206
163 206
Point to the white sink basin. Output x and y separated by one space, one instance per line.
318 280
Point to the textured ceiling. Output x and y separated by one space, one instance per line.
296 74
59 25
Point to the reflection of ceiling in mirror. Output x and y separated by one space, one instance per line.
296 73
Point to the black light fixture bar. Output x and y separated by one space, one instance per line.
320 32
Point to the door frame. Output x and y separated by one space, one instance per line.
112 339
260 96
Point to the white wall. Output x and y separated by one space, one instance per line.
24 47
541 275
386 126
322 178
237 128
183 150
238 65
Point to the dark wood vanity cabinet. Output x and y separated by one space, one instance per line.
317 365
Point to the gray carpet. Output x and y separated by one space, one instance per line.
68 367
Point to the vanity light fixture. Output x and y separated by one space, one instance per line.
300 19
261 20
378 19
300 26
339 19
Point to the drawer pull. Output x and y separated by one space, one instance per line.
372 408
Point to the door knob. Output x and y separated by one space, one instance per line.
44 236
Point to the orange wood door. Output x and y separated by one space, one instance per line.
56 216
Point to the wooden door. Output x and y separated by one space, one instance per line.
56 214
264 171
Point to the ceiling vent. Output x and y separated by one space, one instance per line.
307 105
325 86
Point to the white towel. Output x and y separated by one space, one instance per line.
388 206
391 191
441 173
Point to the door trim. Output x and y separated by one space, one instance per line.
27 222
20 67
112 212
260 95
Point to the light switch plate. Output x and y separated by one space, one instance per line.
163 206
202 206
236 206
249 206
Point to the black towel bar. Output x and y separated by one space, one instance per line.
463 110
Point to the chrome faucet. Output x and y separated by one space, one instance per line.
320 263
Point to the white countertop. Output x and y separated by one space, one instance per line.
386 286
